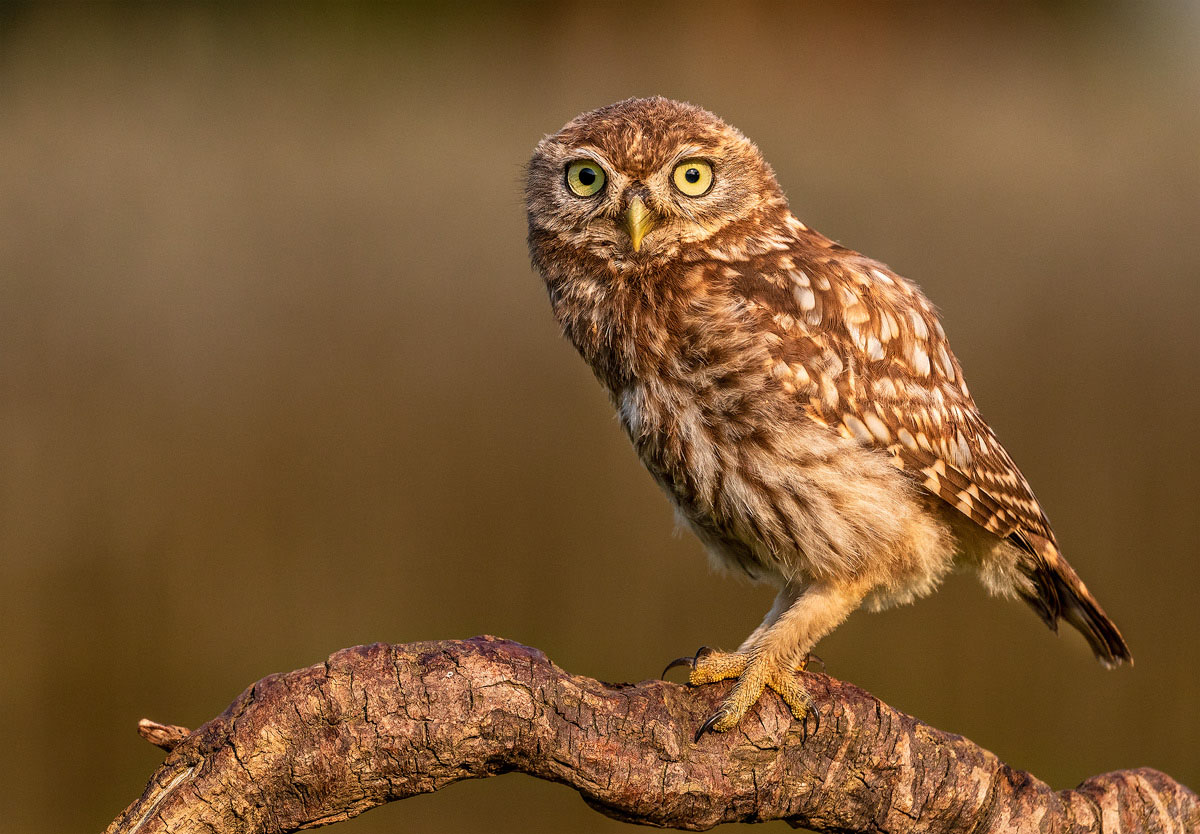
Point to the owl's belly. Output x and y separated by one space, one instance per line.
786 499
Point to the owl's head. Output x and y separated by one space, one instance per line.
647 180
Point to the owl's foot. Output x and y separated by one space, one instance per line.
754 674
712 662
733 661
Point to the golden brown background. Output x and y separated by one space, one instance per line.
276 377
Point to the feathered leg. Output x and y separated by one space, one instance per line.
771 655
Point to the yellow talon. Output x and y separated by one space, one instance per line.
754 675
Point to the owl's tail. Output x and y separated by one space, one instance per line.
1059 593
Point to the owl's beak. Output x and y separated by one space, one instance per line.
638 221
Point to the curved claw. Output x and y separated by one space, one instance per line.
708 725
816 714
811 658
690 662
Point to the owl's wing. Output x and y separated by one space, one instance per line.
864 351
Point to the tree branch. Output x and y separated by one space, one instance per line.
377 723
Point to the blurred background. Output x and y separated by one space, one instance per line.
276 377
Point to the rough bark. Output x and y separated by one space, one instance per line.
377 723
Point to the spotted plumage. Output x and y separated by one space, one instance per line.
797 401
864 349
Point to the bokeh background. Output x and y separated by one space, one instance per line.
276 377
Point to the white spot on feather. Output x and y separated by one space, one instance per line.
962 450
855 333
857 314
887 327
861 433
944 361
918 324
877 427
919 359
829 394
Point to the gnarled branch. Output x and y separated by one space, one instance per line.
383 722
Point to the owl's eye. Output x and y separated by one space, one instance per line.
693 177
585 178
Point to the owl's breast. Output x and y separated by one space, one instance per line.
696 387
703 445
685 452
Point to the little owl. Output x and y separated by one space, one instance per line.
797 401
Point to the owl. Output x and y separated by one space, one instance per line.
797 402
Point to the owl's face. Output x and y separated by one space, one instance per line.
643 181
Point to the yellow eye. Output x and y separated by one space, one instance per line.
585 177
693 177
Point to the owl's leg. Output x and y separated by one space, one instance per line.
784 600
772 656
709 666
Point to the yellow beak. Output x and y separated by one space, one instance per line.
638 221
